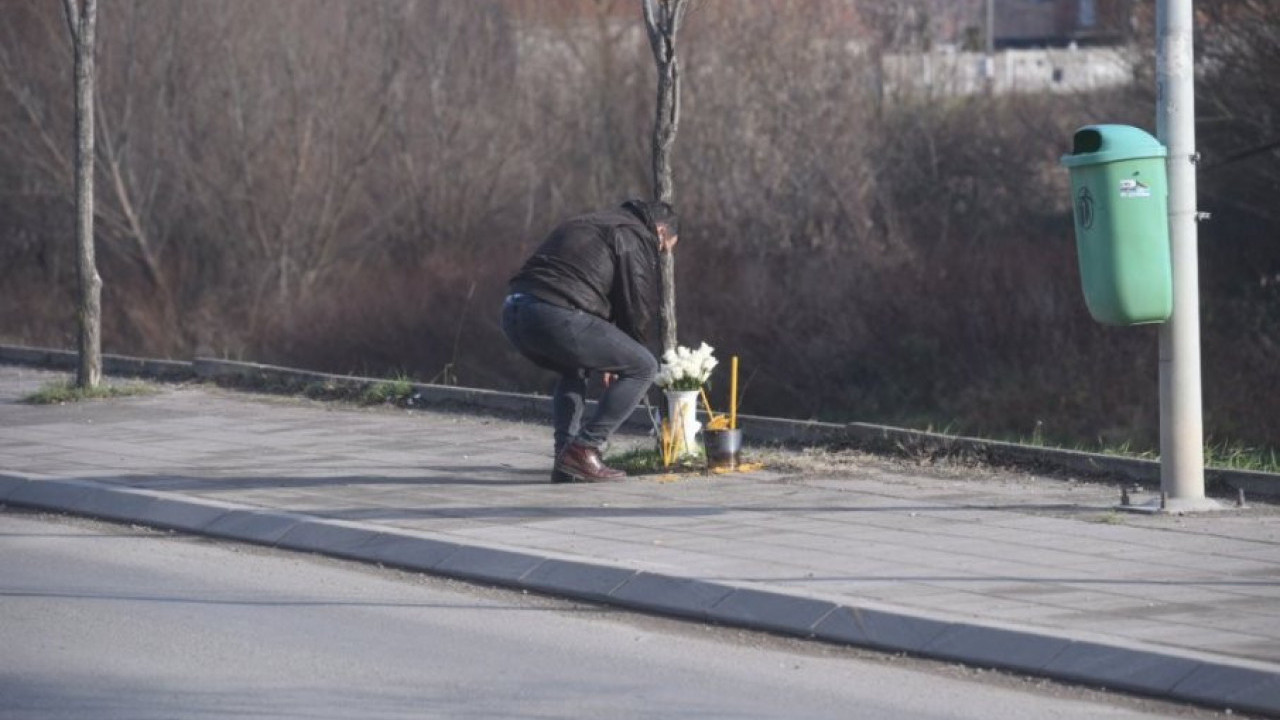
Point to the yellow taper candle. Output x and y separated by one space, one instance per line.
733 393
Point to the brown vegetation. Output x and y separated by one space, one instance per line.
347 186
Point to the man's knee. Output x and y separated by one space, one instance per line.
646 367
638 366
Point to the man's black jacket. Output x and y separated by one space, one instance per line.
605 263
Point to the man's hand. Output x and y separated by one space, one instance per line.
666 239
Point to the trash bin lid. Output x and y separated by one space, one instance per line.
1097 144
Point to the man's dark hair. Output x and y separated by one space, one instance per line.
664 214
655 213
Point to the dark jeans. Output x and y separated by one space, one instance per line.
574 343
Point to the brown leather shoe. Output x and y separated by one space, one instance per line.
579 463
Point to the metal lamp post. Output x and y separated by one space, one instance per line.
1181 424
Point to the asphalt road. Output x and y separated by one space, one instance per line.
104 621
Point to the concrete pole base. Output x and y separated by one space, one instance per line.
1175 506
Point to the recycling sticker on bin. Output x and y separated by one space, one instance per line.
1131 188
1084 208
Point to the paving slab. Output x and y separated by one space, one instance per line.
994 568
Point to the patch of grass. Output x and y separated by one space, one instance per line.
1238 456
1111 517
274 384
648 461
326 390
1123 449
1227 454
396 391
65 391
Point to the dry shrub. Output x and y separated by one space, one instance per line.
347 186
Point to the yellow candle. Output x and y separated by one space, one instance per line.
733 393
666 443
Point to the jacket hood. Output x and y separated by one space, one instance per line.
643 209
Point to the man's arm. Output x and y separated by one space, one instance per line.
635 285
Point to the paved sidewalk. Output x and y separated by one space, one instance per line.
991 568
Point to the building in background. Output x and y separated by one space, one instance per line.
1057 23
1058 46
917 48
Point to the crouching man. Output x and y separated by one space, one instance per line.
582 304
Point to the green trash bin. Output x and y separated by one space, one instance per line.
1120 192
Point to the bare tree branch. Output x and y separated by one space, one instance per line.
72 13
662 21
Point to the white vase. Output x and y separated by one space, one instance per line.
682 413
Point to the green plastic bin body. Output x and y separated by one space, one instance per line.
1121 196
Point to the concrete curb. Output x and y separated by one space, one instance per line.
111 364
271 375
757 429
431 396
1200 678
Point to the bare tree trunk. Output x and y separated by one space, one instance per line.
662 18
82 21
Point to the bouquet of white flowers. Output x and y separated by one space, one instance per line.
685 369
